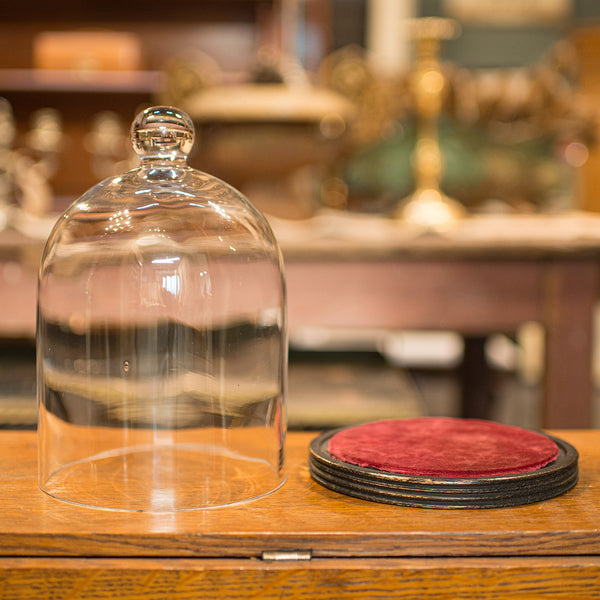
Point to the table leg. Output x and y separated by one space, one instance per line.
475 379
571 292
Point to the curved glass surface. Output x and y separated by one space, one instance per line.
161 338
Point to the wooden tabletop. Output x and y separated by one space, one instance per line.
343 235
300 517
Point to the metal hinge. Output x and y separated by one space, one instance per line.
287 555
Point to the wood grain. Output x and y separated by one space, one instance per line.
568 317
472 296
360 550
410 579
300 516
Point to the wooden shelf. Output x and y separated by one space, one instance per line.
76 11
46 80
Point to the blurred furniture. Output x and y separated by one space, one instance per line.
586 41
486 275
301 541
76 99
80 59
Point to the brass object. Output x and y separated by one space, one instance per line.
8 131
428 206
25 173
108 142
376 100
272 141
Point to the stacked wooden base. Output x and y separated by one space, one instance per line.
369 483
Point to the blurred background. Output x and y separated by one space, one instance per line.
313 109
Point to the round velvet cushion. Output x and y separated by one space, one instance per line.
443 447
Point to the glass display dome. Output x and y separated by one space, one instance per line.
161 340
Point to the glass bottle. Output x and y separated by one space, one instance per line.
161 340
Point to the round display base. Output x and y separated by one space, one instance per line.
368 483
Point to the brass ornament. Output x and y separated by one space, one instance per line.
428 206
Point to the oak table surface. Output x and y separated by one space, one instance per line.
348 548
302 515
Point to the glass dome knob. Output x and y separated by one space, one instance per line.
162 132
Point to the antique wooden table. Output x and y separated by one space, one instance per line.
486 275
303 541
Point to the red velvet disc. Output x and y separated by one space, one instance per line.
443 447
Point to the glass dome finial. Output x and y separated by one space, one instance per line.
162 132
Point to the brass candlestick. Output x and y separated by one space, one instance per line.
428 206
